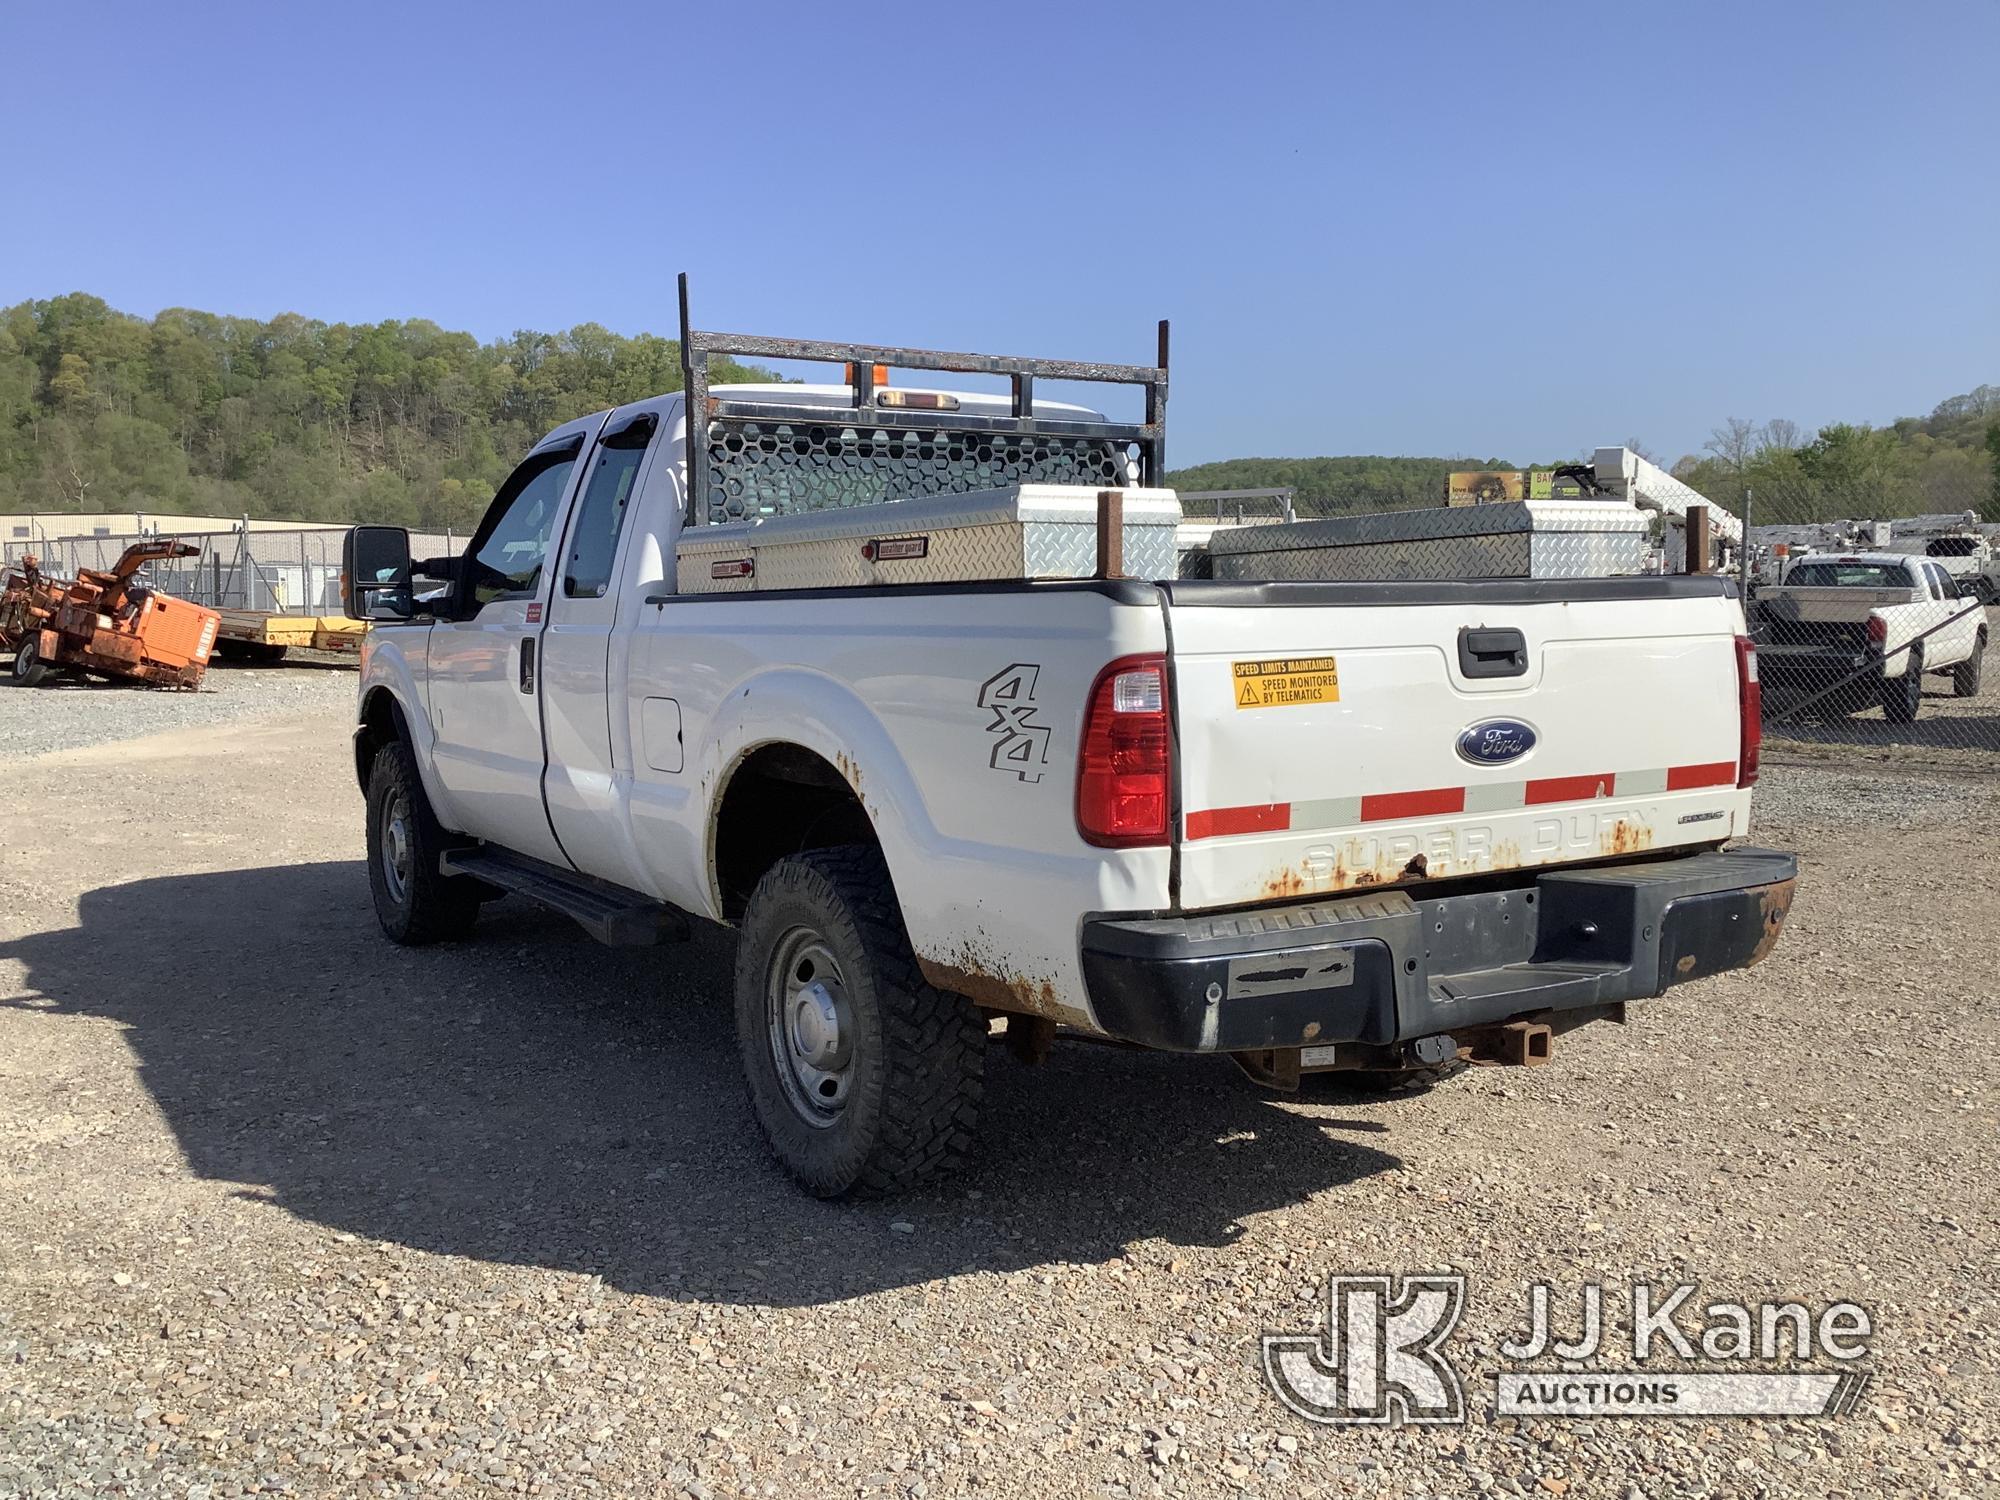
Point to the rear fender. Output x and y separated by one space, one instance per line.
825 717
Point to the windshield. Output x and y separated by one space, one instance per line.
1847 575
1953 546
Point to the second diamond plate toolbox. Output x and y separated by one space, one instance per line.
1522 539
1021 531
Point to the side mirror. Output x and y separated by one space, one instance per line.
375 574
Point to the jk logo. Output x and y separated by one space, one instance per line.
1377 1359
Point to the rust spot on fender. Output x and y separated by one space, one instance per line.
1685 965
850 769
972 973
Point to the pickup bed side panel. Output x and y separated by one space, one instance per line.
954 716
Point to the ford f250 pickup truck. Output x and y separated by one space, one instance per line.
1850 627
900 684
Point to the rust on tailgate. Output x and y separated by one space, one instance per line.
1625 837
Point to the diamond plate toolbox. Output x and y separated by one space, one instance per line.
1521 539
1021 531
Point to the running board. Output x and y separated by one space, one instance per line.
613 915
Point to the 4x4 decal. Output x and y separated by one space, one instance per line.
1021 743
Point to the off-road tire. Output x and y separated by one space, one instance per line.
29 668
431 907
1903 696
1965 676
911 1109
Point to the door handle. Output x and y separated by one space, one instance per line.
527 664
1492 653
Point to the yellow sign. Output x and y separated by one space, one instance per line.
1287 681
1485 486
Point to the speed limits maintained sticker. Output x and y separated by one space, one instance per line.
1287 681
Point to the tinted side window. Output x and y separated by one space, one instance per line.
600 515
507 560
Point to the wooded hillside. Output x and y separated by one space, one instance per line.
400 422
410 423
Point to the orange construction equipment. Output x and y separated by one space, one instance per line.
104 622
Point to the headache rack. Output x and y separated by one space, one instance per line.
747 459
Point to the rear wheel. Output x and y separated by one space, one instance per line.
1965 676
29 668
1903 696
865 1080
414 902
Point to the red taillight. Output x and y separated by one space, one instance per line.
1878 630
1124 771
1750 709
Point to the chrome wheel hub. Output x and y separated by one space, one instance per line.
395 848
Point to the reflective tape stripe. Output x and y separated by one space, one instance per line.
1570 789
1388 807
1491 797
1687 778
1270 817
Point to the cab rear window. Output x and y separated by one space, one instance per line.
1841 575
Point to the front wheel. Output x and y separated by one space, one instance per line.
414 901
29 668
1903 696
865 1080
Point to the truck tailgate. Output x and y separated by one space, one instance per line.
1340 736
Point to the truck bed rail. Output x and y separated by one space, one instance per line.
1060 449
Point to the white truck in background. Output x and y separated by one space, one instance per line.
1954 543
1854 627
859 671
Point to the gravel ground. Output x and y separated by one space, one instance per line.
66 716
284 1208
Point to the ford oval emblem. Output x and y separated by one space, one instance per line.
1494 742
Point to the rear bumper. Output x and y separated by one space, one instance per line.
1389 967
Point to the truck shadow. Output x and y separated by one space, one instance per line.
531 1098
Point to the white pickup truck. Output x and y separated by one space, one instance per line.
1853 626
801 681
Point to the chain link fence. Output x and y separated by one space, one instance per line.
274 572
1872 631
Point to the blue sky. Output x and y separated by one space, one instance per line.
1401 228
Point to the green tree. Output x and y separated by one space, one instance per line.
1990 511
400 420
